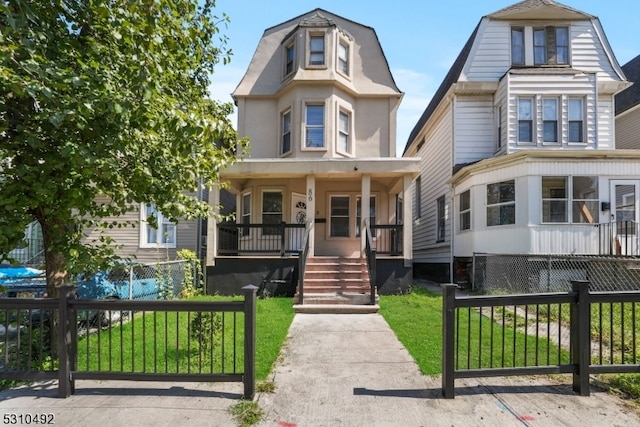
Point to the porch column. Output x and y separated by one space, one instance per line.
407 227
365 194
212 227
311 212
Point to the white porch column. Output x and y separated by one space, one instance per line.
364 210
311 212
212 227
407 228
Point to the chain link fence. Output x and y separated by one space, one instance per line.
521 274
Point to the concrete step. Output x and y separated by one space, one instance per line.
335 298
335 308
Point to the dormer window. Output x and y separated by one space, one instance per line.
539 46
289 59
316 50
343 58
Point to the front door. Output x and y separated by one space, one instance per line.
624 216
298 216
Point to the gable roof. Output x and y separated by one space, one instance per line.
527 9
630 97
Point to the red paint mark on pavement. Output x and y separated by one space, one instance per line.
526 418
286 424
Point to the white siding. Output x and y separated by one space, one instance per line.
606 117
436 166
587 51
628 129
490 56
473 129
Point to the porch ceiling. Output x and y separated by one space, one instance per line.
322 168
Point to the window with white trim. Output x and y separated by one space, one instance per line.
344 132
555 206
550 119
271 211
576 120
158 231
339 216
551 46
314 126
574 197
372 213
517 46
464 201
418 197
501 203
246 213
525 119
441 217
285 142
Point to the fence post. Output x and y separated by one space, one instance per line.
282 239
65 384
448 339
249 377
581 337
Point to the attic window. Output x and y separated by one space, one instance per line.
316 50
551 46
290 54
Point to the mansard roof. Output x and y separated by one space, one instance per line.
630 97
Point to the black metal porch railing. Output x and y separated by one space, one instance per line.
370 252
388 238
245 239
577 332
302 262
67 339
619 238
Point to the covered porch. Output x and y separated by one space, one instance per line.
304 209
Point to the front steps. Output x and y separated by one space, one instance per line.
336 285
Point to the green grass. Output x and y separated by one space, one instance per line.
416 319
166 342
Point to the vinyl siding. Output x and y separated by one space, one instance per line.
474 126
628 129
436 166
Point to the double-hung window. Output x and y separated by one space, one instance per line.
343 58
565 197
339 216
501 203
289 59
271 212
517 46
285 145
555 206
418 197
344 137
316 50
159 230
584 199
550 120
576 121
246 213
314 126
372 213
441 216
551 46
525 119
465 210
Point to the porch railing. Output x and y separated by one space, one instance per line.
388 238
370 252
619 238
246 239
302 262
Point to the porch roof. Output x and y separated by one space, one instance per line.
322 168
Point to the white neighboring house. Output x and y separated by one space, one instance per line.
518 146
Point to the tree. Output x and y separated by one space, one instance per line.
106 100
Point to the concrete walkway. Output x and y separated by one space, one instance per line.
334 370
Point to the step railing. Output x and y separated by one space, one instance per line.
370 252
302 261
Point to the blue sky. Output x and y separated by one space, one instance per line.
420 39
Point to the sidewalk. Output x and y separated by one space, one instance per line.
350 370
334 370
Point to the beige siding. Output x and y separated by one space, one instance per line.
628 129
473 129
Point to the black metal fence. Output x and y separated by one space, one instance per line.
577 332
180 340
388 239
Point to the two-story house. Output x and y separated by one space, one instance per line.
518 146
321 183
